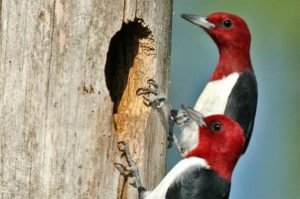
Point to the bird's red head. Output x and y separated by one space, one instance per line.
230 31
232 37
221 143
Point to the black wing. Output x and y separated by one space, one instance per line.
241 104
199 184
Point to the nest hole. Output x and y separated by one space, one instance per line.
123 48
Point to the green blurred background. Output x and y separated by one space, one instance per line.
271 166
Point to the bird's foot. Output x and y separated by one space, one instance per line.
152 95
180 117
171 135
130 170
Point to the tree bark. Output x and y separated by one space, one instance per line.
68 76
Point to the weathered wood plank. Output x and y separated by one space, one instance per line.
57 127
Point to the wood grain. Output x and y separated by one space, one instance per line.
59 122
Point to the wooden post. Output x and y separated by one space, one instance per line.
69 70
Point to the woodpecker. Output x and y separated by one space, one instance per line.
206 170
232 88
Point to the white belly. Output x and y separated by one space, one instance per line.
177 173
214 97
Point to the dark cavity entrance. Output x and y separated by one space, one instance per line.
122 51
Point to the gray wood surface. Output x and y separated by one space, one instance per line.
65 100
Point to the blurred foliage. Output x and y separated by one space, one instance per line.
271 166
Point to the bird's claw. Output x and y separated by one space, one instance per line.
154 97
122 146
157 100
153 83
180 117
132 169
124 171
152 88
170 141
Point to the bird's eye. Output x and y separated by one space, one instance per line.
216 127
227 23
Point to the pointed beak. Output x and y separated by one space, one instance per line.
194 115
199 21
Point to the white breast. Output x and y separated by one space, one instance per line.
178 171
214 97
189 138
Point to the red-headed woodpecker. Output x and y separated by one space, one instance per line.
232 88
206 171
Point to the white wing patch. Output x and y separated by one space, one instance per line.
214 97
178 171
